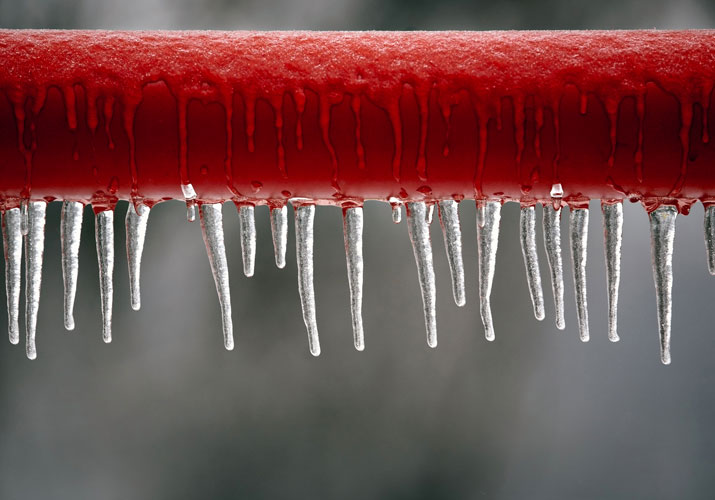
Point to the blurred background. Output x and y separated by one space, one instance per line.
165 412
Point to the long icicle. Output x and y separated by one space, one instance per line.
578 232
212 230
613 236
552 244
422 248
710 237
304 219
104 238
247 225
34 249
279 230
12 241
662 234
489 218
352 232
527 232
135 225
70 236
452 232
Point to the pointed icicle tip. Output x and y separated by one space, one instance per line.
710 237
613 236
352 231
34 249
422 248
135 225
552 244
70 236
662 233
488 240
247 225
279 230
527 233
304 219
212 231
12 240
452 232
104 238
578 231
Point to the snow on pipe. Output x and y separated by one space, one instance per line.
356 129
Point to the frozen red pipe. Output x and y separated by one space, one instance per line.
335 118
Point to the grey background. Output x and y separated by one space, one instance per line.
165 412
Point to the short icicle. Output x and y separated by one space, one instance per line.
104 238
552 244
452 232
352 231
135 224
578 232
279 230
396 205
662 235
304 219
422 247
527 232
488 222
247 224
12 240
70 235
212 230
613 235
710 237
190 196
430 213
34 249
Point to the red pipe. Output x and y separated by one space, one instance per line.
99 116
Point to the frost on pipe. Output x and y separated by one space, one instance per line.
417 119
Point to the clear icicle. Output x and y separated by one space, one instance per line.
279 229
527 226
212 230
24 216
396 213
304 219
352 231
34 249
190 196
12 240
613 235
662 235
452 232
430 213
70 236
247 223
104 238
135 224
710 237
422 248
488 240
578 231
552 244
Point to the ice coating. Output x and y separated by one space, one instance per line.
70 236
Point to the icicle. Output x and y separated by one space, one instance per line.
578 231
488 240
352 231
247 223
662 235
430 213
12 239
396 205
422 248
279 228
190 197
452 232
104 238
24 217
34 248
212 230
135 224
710 237
613 232
304 217
70 235
527 225
552 244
